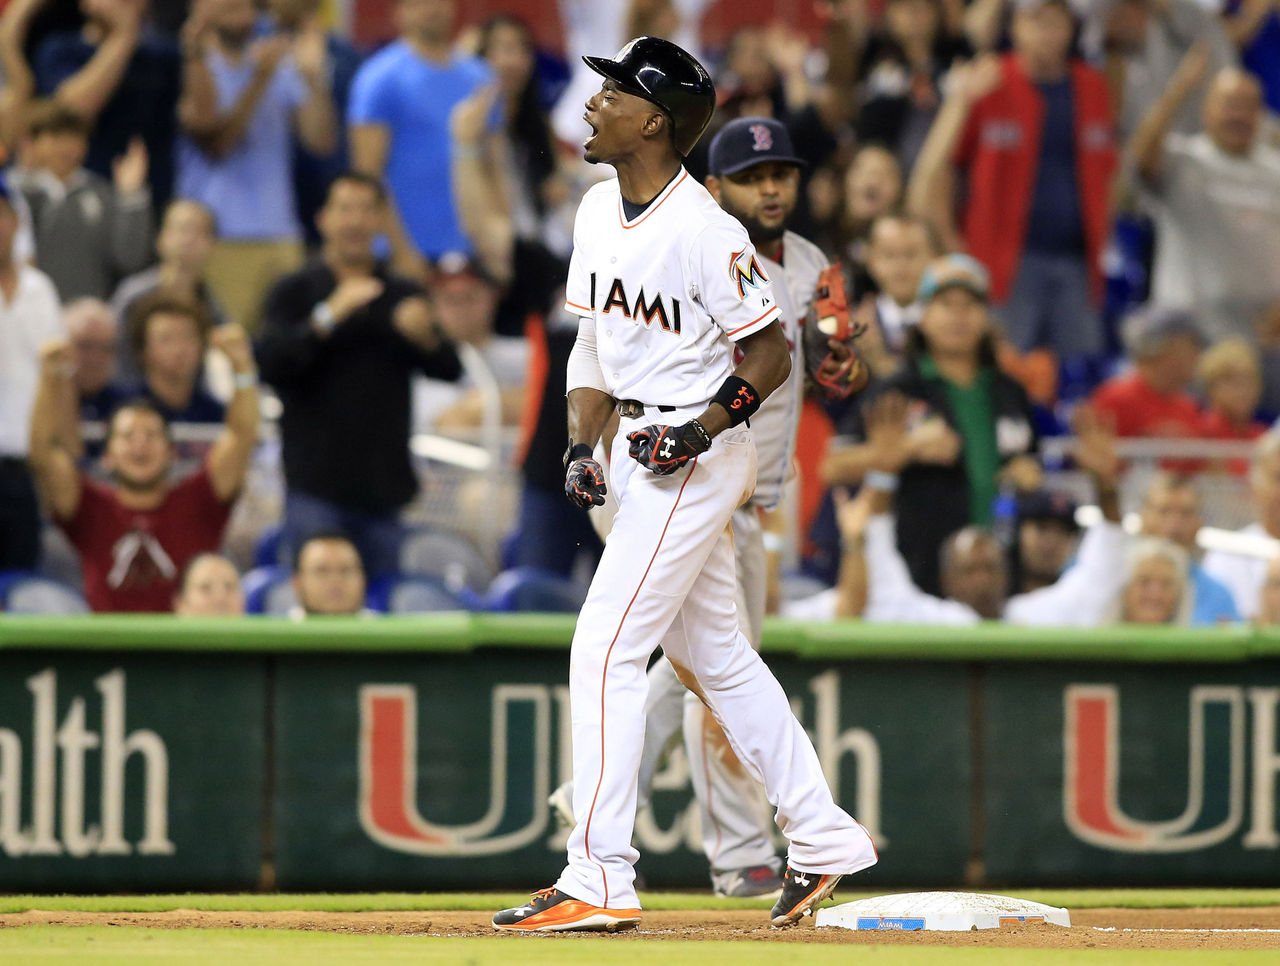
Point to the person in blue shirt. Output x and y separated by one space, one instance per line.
313 172
1171 510
399 128
242 101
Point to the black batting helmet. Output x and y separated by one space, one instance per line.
668 76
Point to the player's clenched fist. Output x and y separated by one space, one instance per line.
584 483
664 449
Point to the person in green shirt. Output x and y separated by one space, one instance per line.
951 373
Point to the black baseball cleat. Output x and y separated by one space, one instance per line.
550 910
801 893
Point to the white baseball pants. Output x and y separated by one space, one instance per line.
667 577
737 828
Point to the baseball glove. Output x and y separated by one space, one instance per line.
831 359
664 449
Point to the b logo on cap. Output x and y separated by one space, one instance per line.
763 137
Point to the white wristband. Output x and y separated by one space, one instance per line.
880 480
322 318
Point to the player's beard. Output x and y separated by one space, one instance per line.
757 231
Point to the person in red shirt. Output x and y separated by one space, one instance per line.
135 536
1029 138
1152 398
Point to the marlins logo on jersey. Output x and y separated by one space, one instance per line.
746 272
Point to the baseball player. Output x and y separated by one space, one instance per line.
755 177
667 285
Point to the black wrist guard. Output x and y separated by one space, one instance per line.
739 399
576 451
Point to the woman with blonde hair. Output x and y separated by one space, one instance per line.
1156 588
1230 376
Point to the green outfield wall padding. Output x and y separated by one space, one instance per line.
463 632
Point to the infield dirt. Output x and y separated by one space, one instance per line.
1208 928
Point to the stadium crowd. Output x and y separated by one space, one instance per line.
1058 219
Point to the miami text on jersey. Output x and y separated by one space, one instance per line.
642 310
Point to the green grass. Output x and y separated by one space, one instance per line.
126 946
653 901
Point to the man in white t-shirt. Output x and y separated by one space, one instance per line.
1216 200
876 584
29 316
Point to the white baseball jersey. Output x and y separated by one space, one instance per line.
774 425
659 334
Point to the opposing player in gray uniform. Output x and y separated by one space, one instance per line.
754 176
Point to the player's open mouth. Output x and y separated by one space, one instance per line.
594 131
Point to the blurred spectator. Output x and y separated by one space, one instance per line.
906 55
95 342
209 587
970 431
1242 574
399 118
1171 511
466 301
242 100
17 81
167 335
1231 376
974 578
527 155
90 232
549 536
312 171
1214 196
899 247
1156 586
1254 26
184 245
1269 598
1045 541
29 316
1033 132
593 26
135 535
124 80
1141 43
328 578
872 187
1152 399
341 340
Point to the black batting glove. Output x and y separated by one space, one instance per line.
584 483
664 449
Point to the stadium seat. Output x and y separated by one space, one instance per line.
58 559
266 552
401 594
448 556
268 590
23 592
533 589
